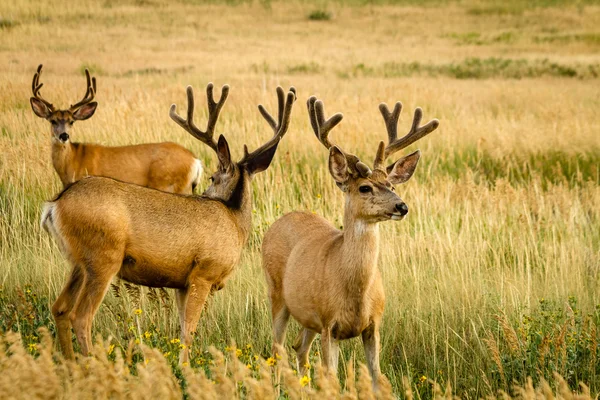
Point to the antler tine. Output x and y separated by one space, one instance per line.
394 144
322 127
90 92
280 127
214 109
36 86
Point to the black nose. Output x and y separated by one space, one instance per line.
64 136
402 208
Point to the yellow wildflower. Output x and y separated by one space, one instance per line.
32 347
271 361
111 348
228 349
305 380
147 335
138 311
185 364
307 365
249 366
182 346
238 352
248 346
167 354
422 379
137 341
175 341
256 357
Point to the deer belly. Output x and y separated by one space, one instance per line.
141 273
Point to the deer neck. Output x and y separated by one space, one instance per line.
64 160
239 204
359 252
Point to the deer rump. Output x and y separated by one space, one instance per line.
155 238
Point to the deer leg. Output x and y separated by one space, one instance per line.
280 316
94 288
62 308
302 347
197 292
334 355
370 338
180 298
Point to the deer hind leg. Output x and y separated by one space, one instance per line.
62 308
370 338
280 316
302 347
193 301
95 285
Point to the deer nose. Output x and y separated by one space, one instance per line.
402 208
64 136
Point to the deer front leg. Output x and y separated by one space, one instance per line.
330 349
370 338
302 347
195 297
180 298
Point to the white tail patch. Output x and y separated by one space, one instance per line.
196 173
49 222
47 216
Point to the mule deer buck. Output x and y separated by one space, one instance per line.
164 166
328 279
191 243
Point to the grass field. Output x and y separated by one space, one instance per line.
494 275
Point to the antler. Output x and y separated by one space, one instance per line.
36 86
394 144
214 108
322 127
90 92
279 127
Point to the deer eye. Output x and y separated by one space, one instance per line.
53 122
365 189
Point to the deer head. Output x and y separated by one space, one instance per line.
62 120
370 193
226 179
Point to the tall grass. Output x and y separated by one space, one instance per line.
491 279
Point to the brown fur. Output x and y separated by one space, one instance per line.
163 166
108 228
326 278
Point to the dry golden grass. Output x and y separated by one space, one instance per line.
504 225
50 376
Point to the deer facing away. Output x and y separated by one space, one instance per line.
328 279
191 243
165 166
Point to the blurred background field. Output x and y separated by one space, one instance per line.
494 275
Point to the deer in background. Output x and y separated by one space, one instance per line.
191 243
165 166
328 279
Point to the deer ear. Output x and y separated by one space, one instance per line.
85 111
223 153
39 108
338 167
262 161
403 169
